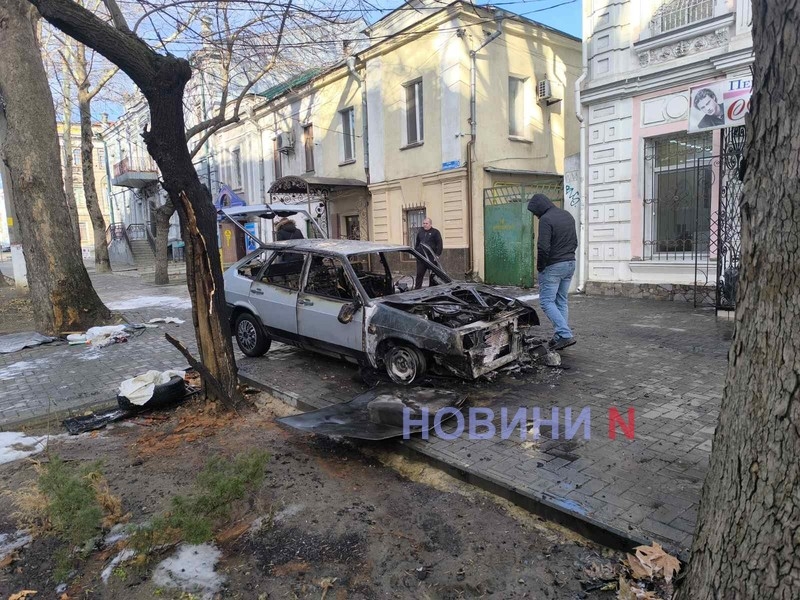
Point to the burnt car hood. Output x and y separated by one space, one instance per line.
459 303
378 413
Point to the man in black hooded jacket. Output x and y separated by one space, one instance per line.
555 261
287 230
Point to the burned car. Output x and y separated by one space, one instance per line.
344 298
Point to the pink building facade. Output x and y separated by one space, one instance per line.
658 180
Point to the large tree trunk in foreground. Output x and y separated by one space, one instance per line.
101 261
63 296
747 539
162 80
69 165
163 214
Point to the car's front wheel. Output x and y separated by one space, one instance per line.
251 337
404 364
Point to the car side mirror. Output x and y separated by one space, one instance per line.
348 311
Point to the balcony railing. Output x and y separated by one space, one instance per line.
673 14
135 172
137 164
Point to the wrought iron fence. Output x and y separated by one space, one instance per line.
727 242
505 194
137 231
691 210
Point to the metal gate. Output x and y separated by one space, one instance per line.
728 218
508 230
692 210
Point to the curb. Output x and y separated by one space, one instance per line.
541 505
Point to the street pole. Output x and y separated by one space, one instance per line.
108 178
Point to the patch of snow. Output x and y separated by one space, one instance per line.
15 446
126 554
13 541
191 569
14 369
118 532
151 301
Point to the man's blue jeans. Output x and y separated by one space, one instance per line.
553 288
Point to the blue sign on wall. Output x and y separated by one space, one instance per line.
249 242
453 164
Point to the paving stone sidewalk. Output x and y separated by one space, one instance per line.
60 379
666 360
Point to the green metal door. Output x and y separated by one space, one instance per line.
508 244
509 232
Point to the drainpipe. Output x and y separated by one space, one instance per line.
473 133
262 184
584 212
351 63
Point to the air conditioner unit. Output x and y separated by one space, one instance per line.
543 91
285 142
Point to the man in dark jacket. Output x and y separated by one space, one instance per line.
287 230
431 238
555 261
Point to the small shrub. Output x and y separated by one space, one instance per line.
72 505
193 518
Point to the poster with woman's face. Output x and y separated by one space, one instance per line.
718 104
707 106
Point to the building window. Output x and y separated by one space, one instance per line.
677 201
83 229
236 166
516 107
673 14
276 159
413 218
308 146
348 117
76 157
352 227
414 113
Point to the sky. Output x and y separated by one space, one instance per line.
559 14
565 15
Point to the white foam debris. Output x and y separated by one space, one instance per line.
191 569
13 541
126 554
16 446
151 301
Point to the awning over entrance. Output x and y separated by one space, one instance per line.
292 184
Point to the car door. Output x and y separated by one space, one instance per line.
274 293
327 288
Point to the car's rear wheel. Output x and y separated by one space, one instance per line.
251 337
404 364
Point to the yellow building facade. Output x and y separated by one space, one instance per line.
100 178
446 102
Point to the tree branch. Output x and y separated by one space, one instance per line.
122 48
116 16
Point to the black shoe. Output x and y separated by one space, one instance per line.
559 343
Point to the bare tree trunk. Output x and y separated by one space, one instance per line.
63 296
66 137
162 79
162 215
101 261
748 533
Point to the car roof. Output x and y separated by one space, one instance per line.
344 247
